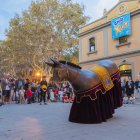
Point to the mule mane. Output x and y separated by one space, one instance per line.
70 64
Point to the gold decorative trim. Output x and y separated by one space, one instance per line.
122 9
89 96
79 101
104 76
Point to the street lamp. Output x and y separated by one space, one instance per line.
38 74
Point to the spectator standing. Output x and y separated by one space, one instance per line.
3 85
33 89
130 87
137 85
51 86
27 84
123 83
52 97
60 94
17 96
29 95
19 83
38 91
12 92
21 95
43 90
0 94
65 99
71 99
7 90
56 94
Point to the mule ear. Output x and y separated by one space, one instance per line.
50 64
56 63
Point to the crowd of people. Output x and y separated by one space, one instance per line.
23 91
130 90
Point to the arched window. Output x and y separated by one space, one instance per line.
92 44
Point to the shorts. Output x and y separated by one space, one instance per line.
4 93
7 93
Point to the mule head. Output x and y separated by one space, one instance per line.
60 71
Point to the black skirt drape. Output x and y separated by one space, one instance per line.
96 111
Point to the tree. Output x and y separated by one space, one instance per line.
71 54
47 29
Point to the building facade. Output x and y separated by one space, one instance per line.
115 36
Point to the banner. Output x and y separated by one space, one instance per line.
121 26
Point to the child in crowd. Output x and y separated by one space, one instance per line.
52 97
11 95
56 93
71 99
65 99
21 95
29 95
36 96
60 94
17 97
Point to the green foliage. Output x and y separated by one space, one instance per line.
45 30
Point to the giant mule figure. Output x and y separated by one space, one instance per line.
97 91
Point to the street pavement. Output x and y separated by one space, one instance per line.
50 122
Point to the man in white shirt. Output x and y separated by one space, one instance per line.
7 88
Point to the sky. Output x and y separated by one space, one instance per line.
8 9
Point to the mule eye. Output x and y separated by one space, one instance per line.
59 73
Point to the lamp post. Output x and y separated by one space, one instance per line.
38 74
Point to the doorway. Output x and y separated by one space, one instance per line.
125 70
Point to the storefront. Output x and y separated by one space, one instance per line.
115 36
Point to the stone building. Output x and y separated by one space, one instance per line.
115 36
